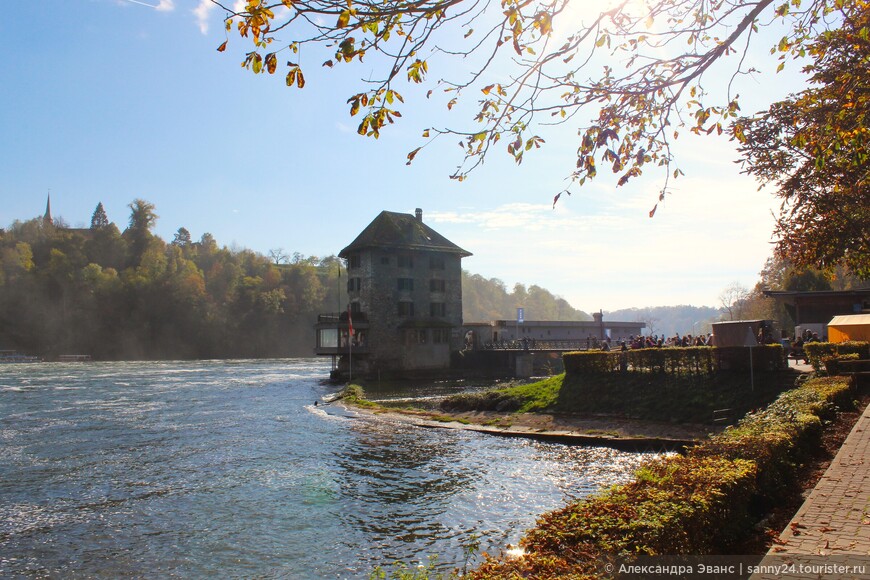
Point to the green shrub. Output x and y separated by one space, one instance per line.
832 363
590 362
816 351
355 395
700 503
695 360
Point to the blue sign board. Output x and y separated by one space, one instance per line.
520 315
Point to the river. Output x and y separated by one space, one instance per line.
227 468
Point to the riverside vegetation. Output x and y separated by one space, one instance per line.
704 502
131 295
709 500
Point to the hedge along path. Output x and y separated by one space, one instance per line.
817 352
835 518
693 360
701 503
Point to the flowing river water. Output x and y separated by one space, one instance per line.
227 468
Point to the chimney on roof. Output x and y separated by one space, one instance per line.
419 214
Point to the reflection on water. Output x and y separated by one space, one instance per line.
227 468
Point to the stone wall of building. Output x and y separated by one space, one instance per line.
394 288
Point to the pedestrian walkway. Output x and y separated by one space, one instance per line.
833 524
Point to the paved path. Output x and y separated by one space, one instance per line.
833 524
835 518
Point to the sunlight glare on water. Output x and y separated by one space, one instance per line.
228 468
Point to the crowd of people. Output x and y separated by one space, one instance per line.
795 348
656 341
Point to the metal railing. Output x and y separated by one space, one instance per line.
342 317
535 344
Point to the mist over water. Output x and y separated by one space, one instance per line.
227 468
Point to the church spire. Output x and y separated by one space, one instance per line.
46 219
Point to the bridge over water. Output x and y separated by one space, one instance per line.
534 345
522 358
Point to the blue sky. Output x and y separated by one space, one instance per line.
112 100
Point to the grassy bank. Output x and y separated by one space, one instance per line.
702 503
657 397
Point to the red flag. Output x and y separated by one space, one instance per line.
349 322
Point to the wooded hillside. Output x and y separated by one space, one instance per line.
132 295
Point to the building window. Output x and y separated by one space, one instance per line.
405 284
406 309
405 261
436 263
385 260
437 285
354 261
354 284
354 308
329 338
437 310
440 335
415 336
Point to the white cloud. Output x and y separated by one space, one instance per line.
202 12
161 6
605 252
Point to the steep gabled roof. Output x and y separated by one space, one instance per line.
401 231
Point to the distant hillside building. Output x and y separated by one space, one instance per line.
46 218
48 222
405 300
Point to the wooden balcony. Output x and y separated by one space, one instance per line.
332 334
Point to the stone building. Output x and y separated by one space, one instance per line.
578 331
404 285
